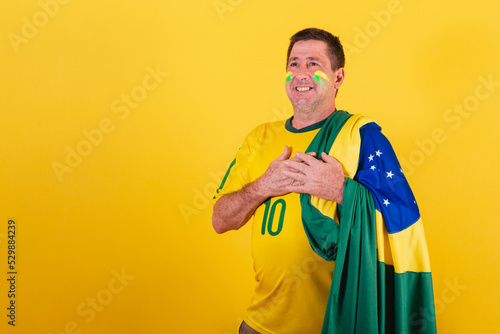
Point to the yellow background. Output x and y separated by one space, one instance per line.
138 202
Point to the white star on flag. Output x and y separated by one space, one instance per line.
378 153
390 174
386 202
370 158
372 167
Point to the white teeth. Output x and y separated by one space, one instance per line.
303 89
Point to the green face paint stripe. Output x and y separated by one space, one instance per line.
323 75
288 76
318 79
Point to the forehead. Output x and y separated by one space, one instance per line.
310 49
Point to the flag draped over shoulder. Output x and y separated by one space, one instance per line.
382 281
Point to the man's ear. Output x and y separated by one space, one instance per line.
338 77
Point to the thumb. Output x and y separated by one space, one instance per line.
286 154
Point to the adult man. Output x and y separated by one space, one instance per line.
294 196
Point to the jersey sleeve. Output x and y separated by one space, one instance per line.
237 175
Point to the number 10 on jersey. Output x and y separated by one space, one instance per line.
269 217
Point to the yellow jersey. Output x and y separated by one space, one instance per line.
292 280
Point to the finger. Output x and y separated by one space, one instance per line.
285 155
296 165
298 187
328 158
306 158
296 159
299 177
296 183
292 169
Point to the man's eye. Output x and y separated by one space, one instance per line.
293 64
313 64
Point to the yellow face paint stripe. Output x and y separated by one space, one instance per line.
322 75
288 76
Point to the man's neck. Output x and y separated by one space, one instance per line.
301 119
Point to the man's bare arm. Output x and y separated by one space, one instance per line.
232 211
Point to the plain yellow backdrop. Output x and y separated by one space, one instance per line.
119 119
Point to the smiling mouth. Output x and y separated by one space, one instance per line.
303 89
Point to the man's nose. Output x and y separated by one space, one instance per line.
301 73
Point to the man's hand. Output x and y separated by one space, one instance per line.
324 179
275 181
233 210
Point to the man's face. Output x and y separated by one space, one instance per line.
307 88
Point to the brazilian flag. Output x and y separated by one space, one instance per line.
382 281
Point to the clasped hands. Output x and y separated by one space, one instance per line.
304 174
